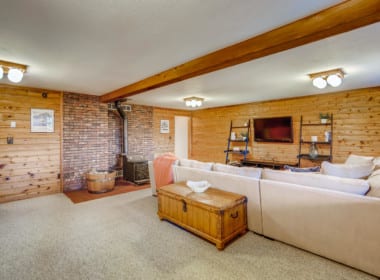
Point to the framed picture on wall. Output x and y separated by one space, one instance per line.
164 126
42 120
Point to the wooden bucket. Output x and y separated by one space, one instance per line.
100 181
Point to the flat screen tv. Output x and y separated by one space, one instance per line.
278 129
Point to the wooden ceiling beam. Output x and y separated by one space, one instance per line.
337 19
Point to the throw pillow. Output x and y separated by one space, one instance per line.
202 165
354 171
186 162
355 159
376 163
374 183
225 168
250 172
196 164
242 171
306 169
317 180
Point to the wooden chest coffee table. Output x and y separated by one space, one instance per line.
215 215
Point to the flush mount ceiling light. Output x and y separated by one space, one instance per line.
14 71
193 101
331 77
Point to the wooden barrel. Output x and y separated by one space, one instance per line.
100 181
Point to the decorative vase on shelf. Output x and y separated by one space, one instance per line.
313 151
324 117
327 136
233 136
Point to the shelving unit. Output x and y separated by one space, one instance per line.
244 127
302 142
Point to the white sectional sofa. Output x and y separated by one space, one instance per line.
327 215
341 226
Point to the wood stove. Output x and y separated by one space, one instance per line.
135 169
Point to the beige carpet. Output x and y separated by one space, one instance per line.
120 237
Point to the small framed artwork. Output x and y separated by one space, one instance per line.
42 120
164 126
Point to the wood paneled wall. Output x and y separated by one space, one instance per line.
31 165
164 142
356 125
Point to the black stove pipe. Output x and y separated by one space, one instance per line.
124 134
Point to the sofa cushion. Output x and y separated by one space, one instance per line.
355 159
354 171
196 164
242 171
185 162
374 183
376 163
202 165
356 186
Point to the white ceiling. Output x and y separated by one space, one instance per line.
96 46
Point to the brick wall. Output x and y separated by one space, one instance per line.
140 131
86 138
92 137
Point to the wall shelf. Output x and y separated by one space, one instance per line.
318 158
240 129
242 152
326 157
321 143
317 124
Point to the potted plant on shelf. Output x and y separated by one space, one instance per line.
324 117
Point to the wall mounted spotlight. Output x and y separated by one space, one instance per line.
14 71
333 78
193 101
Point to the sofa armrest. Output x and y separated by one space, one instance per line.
151 177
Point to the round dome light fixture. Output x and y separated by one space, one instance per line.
334 80
319 82
193 101
15 75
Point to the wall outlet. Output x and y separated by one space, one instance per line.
13 124
10 140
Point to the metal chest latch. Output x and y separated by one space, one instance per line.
184 205
234 215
